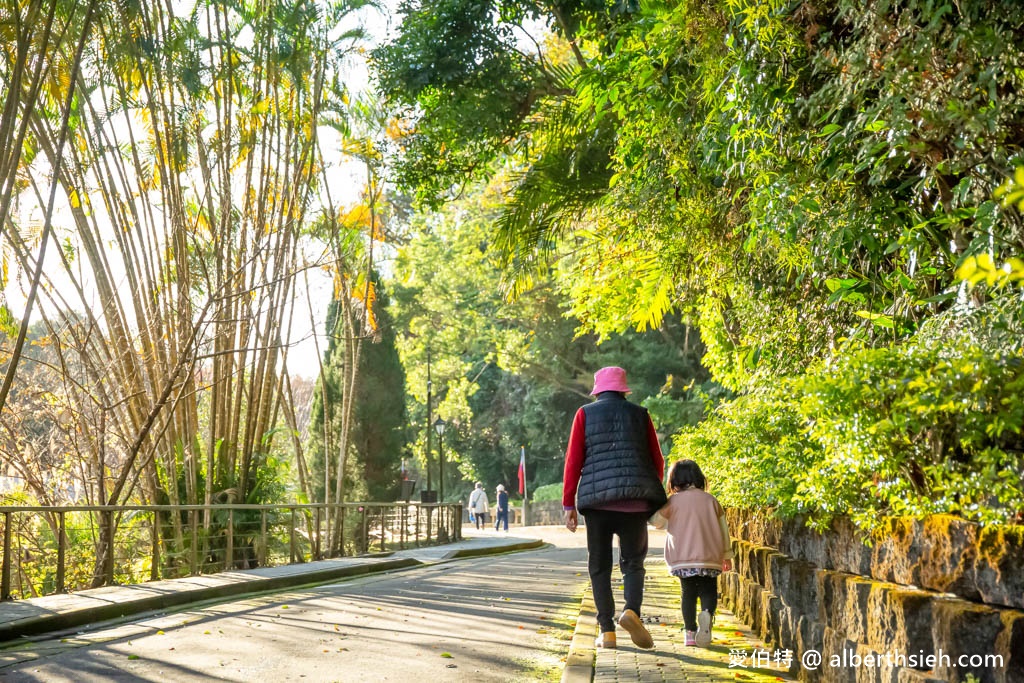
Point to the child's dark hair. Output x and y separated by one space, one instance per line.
686 474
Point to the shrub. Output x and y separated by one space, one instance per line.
932 426
547 492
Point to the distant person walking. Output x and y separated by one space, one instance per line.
697 547
479 505
501 508
613 472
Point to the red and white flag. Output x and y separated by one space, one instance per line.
522 470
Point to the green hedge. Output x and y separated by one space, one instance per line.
547 492
933 426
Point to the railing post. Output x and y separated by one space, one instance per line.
107 519
316 536
154 570
292 537
341 534
62 544
194 562
229 552
383 526
5 573
262 559
366 531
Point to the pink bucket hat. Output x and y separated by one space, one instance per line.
610 379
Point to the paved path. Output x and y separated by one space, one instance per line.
420 617
25 618
735 653
484 618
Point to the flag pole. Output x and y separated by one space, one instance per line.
526 508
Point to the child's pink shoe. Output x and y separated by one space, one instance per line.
691 638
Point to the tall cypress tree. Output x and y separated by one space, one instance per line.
378 434
379 431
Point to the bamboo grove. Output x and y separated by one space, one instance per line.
164 196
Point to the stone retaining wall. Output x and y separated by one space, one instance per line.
547 512
832 592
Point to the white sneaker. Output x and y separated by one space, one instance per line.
703 637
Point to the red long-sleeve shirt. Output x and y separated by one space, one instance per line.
576 451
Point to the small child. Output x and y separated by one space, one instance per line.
697 547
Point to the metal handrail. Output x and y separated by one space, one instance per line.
172 540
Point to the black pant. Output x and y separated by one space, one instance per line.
502 517
481 520
703 587
631 528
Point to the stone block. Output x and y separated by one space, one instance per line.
874 667
949 551
844 604
727 587
847 548
835 645
771 606
762 562
803 593
747 560
896 552
753 594
787 628
855 614
809 546
1010 646
999 565
963 628
899 619
778 578
905 675
810 635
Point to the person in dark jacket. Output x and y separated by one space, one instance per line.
501 508
613 474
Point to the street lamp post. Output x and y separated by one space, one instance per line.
439 426
430 386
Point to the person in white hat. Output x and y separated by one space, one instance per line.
501 508
617 492
479 505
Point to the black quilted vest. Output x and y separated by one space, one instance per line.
617 465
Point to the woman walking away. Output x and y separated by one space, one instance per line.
613 470
697 547
479 504
501 508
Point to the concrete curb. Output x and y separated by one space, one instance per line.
579 663
59 621
463 553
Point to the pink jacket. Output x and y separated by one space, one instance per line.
698 534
